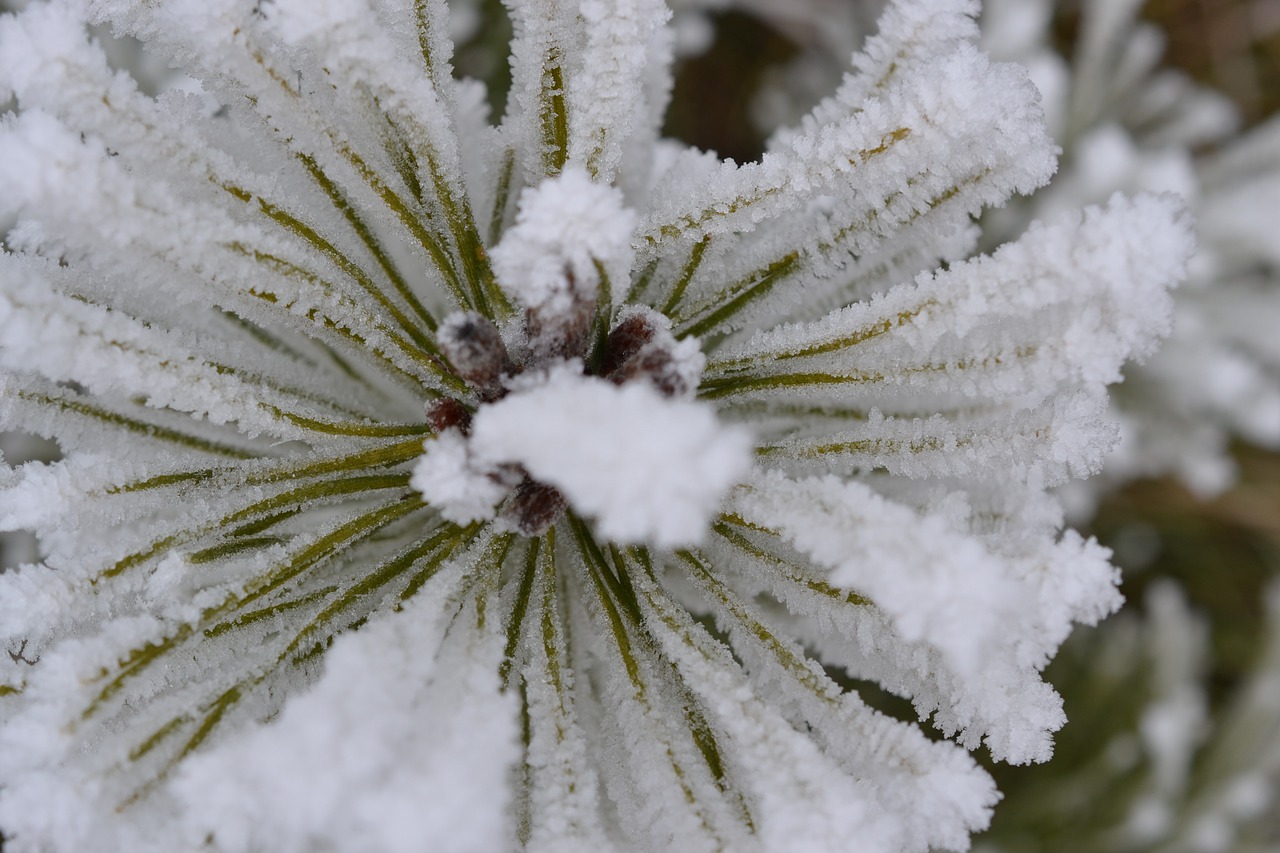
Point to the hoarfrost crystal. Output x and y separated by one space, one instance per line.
520 484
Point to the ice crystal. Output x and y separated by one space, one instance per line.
433 483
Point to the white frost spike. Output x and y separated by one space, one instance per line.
417 739
1067 304
606 94
62 338
945 589
348 41
800 798
803 803
941 114
566 225
1066 437
564 811
909 33
646 467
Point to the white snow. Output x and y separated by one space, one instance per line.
647 468
565 226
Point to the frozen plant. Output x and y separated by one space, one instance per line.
431 483
1127 124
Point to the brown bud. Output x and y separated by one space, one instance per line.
656 364
534 507
561 334
624 341
448 412
477 352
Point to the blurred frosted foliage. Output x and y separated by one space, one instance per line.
1151 761
1125 781
1122 781
1222 791
523 478
1126 122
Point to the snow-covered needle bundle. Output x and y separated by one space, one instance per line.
435 484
